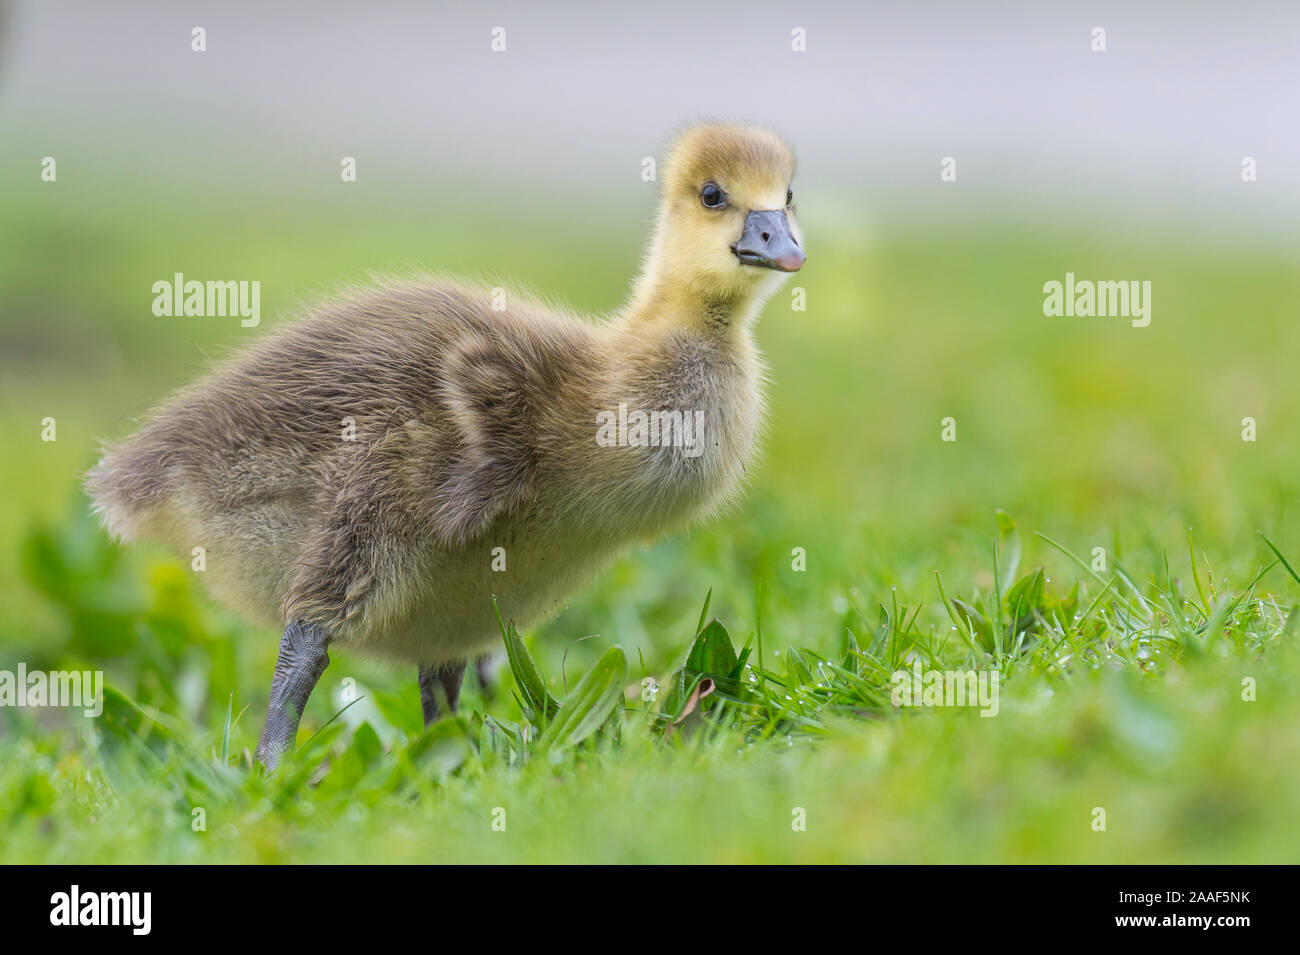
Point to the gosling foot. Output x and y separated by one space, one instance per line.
302 660
439 681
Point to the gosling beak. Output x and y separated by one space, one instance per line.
767 241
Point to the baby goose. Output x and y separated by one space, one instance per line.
353 475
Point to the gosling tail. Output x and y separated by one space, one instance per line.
127 486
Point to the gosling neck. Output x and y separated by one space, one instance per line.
658 304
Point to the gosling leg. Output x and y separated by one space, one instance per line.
302 660
444 678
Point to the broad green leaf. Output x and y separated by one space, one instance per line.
401 711
366 744
444 747
123 720
712 652
1027 593
589 705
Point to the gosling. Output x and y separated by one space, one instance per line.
361 477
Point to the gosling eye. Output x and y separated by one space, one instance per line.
712 196
789 198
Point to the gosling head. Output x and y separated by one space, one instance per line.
726 230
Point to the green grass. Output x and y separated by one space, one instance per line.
1120 688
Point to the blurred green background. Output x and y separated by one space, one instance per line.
920 306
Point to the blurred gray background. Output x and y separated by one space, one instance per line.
1040 125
